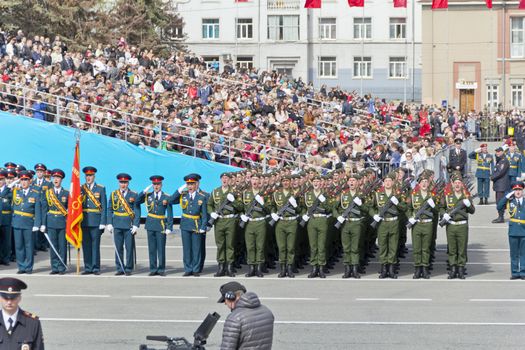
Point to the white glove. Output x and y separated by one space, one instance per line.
477 150
168 232
101 227
202 231
306 218
505 147
340 219
358 201
35 228
259 199
377 218
43 228
244 218
182 188
134 229
430 202
147 189
509 195
321 198
275 217
13 184
109 228
292 202
214 215
394 200
412 221
446 217
230 197
466 202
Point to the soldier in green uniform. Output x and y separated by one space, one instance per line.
255 208
392 198
457 199
422 226
352 225
403 219
317 226
223 207
286 226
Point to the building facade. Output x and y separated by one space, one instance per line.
474 57
375 49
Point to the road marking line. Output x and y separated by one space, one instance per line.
400 323
497 300
145 246
166 297
71 296
491 227
291 299
391 299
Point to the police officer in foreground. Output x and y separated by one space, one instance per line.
515 204
19 329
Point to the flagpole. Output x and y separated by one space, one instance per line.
77 137
363 33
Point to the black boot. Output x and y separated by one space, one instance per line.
417 273
251 271
289 271
461 272
383 273
486 201
499 219
230 271
259 271
263 268
355 271
314 273
347 272
392 271
452 273
426 273
220 270
481 201
321 272
283 271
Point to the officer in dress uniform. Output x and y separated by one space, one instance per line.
192 223
501 180
11 181
27 218
159 224
6 197
515 162
42 185
485 162
19 329
515 204
123 221
94 208
203 236
54 212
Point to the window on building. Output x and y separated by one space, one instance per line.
211 62
492 96
517 95
362 67
327 28
327 67
244 28
210 28
245 62
398 28
362 28
397 67
517 43
283 28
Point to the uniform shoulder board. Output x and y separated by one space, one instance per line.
101 186
31 315
35 190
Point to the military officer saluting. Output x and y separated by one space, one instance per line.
6 212
123 221
192 223
19 329
515 204
94 211
54 213
27 218
159 223
485 162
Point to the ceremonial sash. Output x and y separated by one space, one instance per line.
125 205
52 198
92 197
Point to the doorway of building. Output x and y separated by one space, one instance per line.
466 100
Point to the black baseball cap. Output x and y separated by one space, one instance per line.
230 287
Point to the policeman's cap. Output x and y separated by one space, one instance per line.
123 177
458 141
518 185
58 173
11 173
89 170
10 165
40 166
24 175
20 167
191 178
499 149
156 179
11 288
230 287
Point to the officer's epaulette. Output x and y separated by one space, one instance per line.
29 314
101 186
34 190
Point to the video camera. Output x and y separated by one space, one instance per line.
199 337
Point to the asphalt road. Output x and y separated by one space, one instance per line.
485 311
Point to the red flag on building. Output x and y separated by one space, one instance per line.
400 3
356 3
522 5
312 4
489 3
74 207
439 4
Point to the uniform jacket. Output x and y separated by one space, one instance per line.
381 198
26 330
345 200
456 160
52 217
485 164
280 199
194 211
516 212
323 208
501 175
159 211
6 196
259 211
417 200
27 212
117 215
94 215
515 163
450 201
249 326
218 195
